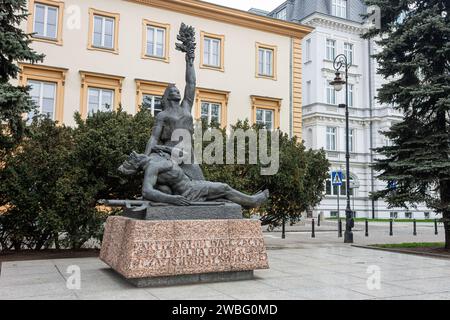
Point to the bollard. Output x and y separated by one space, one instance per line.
340 228
415 227
391 231
283 229
435 227
313 234
367 228
318 220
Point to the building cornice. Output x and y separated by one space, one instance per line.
229 15
330 74
335 23
318 116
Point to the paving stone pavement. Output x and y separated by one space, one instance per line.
311 271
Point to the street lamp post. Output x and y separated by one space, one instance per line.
338 84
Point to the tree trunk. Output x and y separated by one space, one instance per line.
445 195
447 235
445 202
446 216
444 183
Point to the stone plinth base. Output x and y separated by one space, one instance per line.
148 252
221 211
191 278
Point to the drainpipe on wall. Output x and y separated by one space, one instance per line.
291 93
372 173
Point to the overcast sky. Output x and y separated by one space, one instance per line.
267 5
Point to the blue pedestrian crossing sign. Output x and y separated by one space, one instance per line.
336 178
392 185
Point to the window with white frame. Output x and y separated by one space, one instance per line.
45 21
308 50
426 215
331 94
43 95
103 32
348 51
156 40
100 100
265 62
350 95
211 111
408 215
339 8
265 117
393 215
331 49
211 52
282 14
352 139
331 137
152 103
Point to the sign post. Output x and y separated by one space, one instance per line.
336 181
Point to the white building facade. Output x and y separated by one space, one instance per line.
338 29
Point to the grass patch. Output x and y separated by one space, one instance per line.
387 220
411 245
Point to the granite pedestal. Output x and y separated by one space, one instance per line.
171 252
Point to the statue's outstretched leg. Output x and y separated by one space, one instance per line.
221 190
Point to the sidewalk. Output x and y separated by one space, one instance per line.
301 267
314 271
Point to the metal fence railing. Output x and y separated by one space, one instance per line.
366 227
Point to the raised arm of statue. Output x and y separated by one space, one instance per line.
187 45
189 91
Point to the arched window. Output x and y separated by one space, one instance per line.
334 190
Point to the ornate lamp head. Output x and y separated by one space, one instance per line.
338 82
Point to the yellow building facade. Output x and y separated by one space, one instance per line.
105 53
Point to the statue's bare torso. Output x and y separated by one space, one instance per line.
174 120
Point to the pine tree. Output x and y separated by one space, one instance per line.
14 47
415 58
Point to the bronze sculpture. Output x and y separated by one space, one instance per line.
183 229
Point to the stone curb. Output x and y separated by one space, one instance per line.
309 231
425 254
299 231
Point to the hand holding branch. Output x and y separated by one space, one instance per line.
187 45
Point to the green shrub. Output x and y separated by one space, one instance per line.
53 180
297 186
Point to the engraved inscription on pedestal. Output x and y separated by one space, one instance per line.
169 248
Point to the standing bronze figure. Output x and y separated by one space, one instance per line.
176 115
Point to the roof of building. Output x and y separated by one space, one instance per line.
259 11
300 9
230 15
